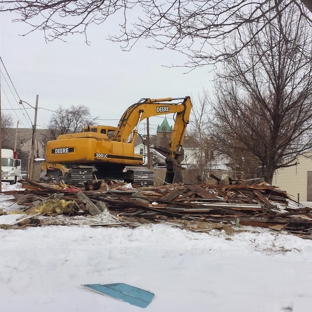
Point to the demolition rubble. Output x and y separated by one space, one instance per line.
247 205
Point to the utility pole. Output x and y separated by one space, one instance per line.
32 158
15 142
148 144
33 137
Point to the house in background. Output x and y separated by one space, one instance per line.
192 154
210 164
22 138
296 180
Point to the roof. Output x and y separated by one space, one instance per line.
164 127
24 135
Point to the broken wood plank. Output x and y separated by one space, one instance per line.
211 175
91 207
264 199
200 191
172 195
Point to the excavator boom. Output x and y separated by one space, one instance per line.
153 107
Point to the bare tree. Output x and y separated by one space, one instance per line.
70 120
263 100
6 122
198 138
193 28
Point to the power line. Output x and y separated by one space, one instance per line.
8 86
12 93
14 110
50 110
25 108
27 114
105 119
9 77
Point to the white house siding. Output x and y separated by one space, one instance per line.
140 147
294 180
190 156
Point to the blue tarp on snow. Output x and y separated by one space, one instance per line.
124 292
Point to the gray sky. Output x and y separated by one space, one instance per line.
99 76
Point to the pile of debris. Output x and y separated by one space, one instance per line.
197 207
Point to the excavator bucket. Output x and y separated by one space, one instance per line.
174 172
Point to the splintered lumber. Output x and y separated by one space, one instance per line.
31 185
150 193
277 198
123 203
244 187
200 191
199 200
246 203
237 206
172 195
121 192
92 208
215 177
101 206
264 199
249 181
201 211
249 195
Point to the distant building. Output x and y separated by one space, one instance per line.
163 134
192 154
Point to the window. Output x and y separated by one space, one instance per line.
7 162
110 133
141 151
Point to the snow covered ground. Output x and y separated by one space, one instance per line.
43 268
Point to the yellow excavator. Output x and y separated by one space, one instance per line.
105 151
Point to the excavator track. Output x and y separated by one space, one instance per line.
140 176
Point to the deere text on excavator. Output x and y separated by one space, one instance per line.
105 151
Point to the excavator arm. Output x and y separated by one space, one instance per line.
154 107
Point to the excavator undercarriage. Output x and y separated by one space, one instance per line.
141 176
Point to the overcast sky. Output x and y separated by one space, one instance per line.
99 76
